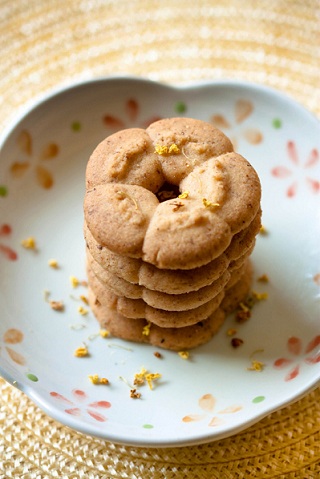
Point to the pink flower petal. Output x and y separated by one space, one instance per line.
132 109
79 394
60 397
8 252
102 404
5 230
292 190
294 345
73 411
313 344
282 363
96 416
313 158
292 152
281 172
314 185
293 373
113 122
313 359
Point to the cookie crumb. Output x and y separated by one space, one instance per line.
264 278
150 377
29 243
84 299
83 311
184 354
140 378
74 281
81 352
53 263
256 366
184 195
146 329
56 305
209 204
236 342
157 354
263 231
104 333
135 394
167 150
231 332
243 313
259 296
95 379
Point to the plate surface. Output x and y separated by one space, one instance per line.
217 391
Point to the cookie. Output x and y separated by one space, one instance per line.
156 299
138 308
239 291
139 272
175 339
219 193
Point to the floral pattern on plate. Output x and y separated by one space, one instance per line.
37 343
298 170
26 146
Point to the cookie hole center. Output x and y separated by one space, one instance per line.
167 192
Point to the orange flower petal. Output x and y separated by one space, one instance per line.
192 418
253 136
49 151
215 421
13 336
231 409
132 109
25 142
18 168
294 345
16 357
313 344
220 121
113 122
44 177
243 109
207 402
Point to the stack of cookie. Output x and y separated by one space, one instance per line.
171 216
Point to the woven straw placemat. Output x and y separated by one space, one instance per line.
49 43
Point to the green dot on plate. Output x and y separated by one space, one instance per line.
180 107
147 426
32 377
258 399
3 190
76 126
277 123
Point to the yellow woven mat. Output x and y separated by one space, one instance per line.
49 43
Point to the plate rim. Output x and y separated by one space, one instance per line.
39 101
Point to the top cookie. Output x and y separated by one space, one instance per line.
218 193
